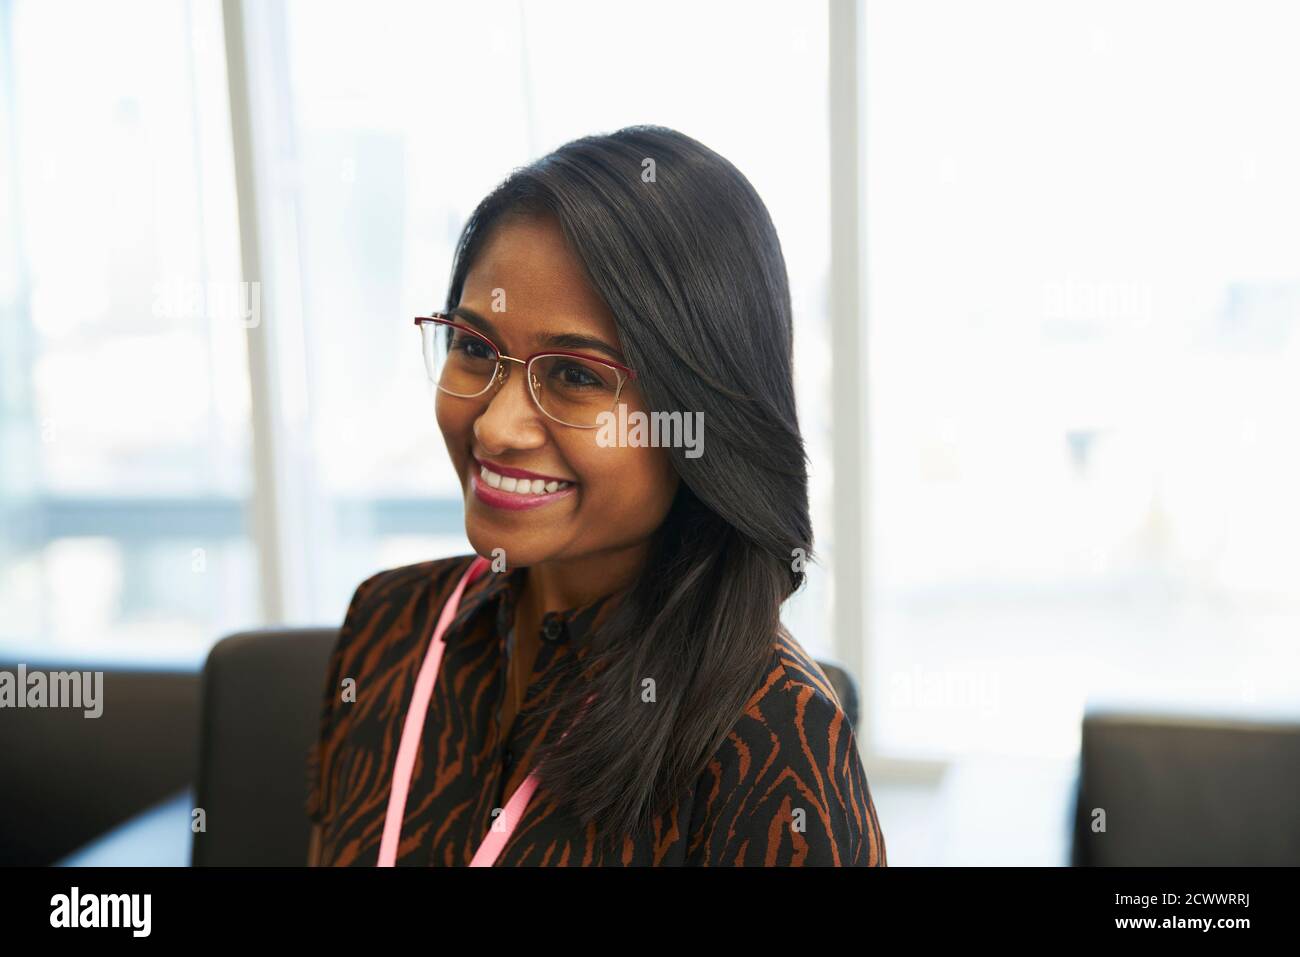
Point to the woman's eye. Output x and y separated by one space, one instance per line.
574 376
471 347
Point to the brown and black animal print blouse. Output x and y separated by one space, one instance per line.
792 747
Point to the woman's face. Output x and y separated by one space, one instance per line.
618 495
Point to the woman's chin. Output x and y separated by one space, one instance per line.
507 549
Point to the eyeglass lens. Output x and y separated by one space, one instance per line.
569 389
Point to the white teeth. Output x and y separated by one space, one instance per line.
520 486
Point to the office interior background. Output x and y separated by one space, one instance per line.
1045 261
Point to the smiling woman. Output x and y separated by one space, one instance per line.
615 687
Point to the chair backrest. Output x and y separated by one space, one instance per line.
845 688
1187 792
260 713
68 778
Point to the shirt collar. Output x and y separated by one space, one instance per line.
496 593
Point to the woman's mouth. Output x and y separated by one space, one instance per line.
515 491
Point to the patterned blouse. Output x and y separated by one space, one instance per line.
793 747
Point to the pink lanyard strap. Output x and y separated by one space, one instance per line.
412 729
415 716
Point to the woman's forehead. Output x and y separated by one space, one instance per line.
527 279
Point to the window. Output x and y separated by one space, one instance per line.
1084 294
124 444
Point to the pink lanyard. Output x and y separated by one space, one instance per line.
504 825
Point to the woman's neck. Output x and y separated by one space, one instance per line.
561 585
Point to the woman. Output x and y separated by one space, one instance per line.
623 652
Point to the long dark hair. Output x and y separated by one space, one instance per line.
685 255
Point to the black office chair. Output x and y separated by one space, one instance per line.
259 715
1187 792
68 779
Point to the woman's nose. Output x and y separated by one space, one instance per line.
511 419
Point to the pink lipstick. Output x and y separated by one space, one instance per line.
515 489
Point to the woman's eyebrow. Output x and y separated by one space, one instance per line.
474 319
558 340
570 340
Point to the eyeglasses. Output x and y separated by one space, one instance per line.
569 387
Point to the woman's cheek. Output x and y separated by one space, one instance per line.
442 417
637 486
454 432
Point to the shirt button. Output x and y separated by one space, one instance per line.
553 629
